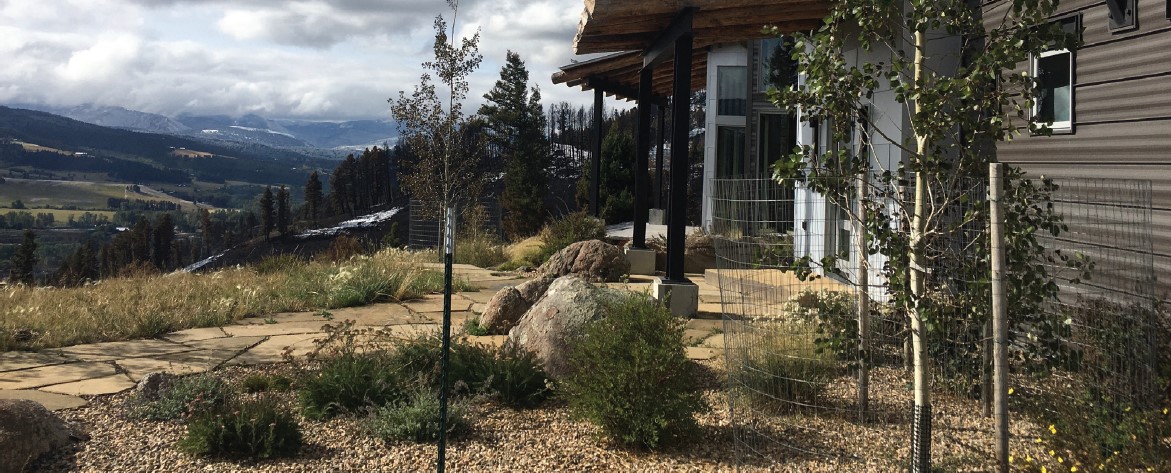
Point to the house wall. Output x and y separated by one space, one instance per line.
1121 111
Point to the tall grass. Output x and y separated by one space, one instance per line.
147 306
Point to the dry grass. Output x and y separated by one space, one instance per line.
148 306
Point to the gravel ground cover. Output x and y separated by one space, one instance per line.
541 439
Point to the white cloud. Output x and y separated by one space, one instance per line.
306 58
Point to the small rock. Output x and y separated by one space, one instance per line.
503 310
27 431
594 260
149 386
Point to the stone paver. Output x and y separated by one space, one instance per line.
695 336
55 374
291 328
707 325
136 368
129 349
273 349
434 303
702 353
195 334
51 401
715 341
375 315
19 360
207 359
93 387
479 296
226 343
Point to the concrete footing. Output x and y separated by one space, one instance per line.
656 216
682 297
642 261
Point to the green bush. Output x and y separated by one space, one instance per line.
834 315
785 370
184 397
258 383
510 374
256 429
348 382
472 327
565 231
632 377
418 419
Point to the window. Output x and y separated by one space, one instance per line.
1121 15
1053 104
729 151
778 137
731 90
776 69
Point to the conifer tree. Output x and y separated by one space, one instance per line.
515 123
282 210
313 198
163 236
24 260
266 212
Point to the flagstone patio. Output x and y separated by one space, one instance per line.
59 378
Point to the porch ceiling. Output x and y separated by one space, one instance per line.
630 27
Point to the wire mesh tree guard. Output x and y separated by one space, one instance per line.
818 360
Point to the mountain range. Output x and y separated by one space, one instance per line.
320 138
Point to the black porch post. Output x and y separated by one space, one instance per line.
659 157
596 159
640 160
677 221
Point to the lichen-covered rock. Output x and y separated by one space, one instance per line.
27 431
503 310
531 291
550 328
594 260
149 387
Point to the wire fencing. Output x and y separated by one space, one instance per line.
426 226
819 344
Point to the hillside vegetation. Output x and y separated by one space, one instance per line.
150 305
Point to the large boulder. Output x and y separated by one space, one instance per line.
594 260
505 308
27 431
551 328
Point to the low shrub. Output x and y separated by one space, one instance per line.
472 327
510 374
258 383
255 429
632 377
417 419
184 397
343 248
480 250
834 315
565 231
348 382
786 370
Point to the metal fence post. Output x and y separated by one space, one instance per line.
863 295
999 316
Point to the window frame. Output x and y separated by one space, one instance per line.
1057 127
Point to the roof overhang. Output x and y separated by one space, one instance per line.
631 28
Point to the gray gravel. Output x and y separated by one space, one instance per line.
543 439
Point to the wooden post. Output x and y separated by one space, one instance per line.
643 148
999 316
863 295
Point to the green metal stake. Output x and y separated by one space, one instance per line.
448 250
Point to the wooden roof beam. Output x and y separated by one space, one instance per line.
664 45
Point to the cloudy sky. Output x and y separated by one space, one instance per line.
313 59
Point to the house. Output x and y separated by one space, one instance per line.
1109 102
